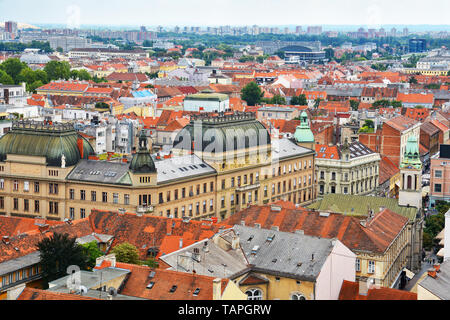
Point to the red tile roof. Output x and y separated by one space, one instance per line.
37 294
416 98
13 226
350 291
327 152
164 280
65 86
401 123
387 169
376 237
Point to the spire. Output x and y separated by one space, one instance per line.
303 132
411 157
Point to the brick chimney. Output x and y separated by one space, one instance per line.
5 239
80 146
432 273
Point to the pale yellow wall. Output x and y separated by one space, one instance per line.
232 292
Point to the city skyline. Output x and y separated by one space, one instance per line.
362 13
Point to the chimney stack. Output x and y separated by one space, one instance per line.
432 273
6 239
181 243
217 289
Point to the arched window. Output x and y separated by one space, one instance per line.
297 296
409 182
254 294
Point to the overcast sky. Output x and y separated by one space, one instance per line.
227 12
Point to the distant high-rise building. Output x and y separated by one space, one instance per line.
315 30
405 32
393 32
143 29
298 29
417 45
11 27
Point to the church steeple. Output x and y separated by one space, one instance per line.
303 134
411 175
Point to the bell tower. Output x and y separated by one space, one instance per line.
411 176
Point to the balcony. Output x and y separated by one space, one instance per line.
249 187
145 209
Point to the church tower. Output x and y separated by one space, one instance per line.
303 135
411 176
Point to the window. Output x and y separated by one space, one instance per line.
190 210
36 206
211 186
297 296
83 195
2 203
26 205
211 205
254 294
437 187
16 204
126 199
72 213
2 184
83 213
232 182
222 202
105 197
26 186
223 184
16 185
115 198
438 173
93 196
358 265
72 194
371 268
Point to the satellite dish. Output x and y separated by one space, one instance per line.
83 290
112 291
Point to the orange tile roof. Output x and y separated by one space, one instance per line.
387 169
350 291
164 280
326 152
416 98
401 123
14 226
376 237
37 294
65 86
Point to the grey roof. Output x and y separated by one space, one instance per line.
101 172
285 148
96 294
441 285
357 149
104 238
287 254
184 167
214 263
89 279
277 109
348 91
19 263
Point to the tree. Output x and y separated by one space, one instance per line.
299 101
31 87
126 253
5 78
59 49
13 67
317 103
277 99
59 252
280 54
57 70
252 94
329 53
413 80
246 58
101 105
397 104
354 105
92 251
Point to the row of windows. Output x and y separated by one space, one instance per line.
182 195
257 294
53 188
126 197
370 266
363 172
20 275
190 210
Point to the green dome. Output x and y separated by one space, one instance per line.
142 161
229 132
412 155
303 134
51 142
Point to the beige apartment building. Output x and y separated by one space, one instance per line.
347 169
46 172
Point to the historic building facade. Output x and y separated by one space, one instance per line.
46 172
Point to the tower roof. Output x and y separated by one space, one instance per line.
142 161
303 132
412 156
